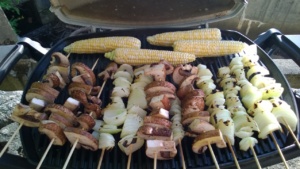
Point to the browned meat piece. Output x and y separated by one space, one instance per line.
31 118
183 71
161 101
39 94
158 71
153 121
86 121
79 68
79 86
169 67
83 78
160 113
45 87
109 70
209 137
199 126
59 59
62 121
80 96
85 139
53 131
194 104
154 133
61 110
63 71
163 150
95 90
188 118
159 86
94 100
94 109
54 79
168 94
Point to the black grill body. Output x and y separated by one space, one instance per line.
35 144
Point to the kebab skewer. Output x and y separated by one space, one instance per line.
40 94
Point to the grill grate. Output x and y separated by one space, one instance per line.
35 144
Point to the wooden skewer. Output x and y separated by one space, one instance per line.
45 154
129 157
68 55
279 151
255 157
233 153
181 154
95 64
70 154
291 131
155 160
10 140
213 156
101 159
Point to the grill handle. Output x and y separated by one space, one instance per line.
11 54
273 38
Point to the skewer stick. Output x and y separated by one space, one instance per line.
233 153
129 158
181 154
255 157
101 159
213 156
10 140
70 154
291 131
155 160
68 55
279 151
45 154
95 64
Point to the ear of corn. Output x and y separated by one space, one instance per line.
102 45
209 48
168 38
147 56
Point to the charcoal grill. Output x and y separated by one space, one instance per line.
35 144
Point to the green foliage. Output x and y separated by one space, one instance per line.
12 6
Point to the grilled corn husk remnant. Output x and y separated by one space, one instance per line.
209 48
102 45
137 57
168 38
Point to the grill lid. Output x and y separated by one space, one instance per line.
125 14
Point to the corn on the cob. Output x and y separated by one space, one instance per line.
102 45
168 38
147 56
209 48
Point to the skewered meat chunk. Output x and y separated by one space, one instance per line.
200 126
59 59
159 86
209 137
156 121
45 87
39 94
130 144
161 101
164 150
31 118
189 118
160 113
62 121
85 139
54 80
53 131
63 72
79 86
79 68
61 110
158 71
86 121
149 132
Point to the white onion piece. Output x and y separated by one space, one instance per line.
98 125
120 91
137 97
244 121
124 74
204 72
37 104
221 114
247 142
131 125
126 68
267 123
283 111
272 91
209 98
227 129
260 106
106 141
137 110
144 78
96 134
138 85
111 129
121 82
261 81
258 70
223 71
236 61
114 116
116 103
